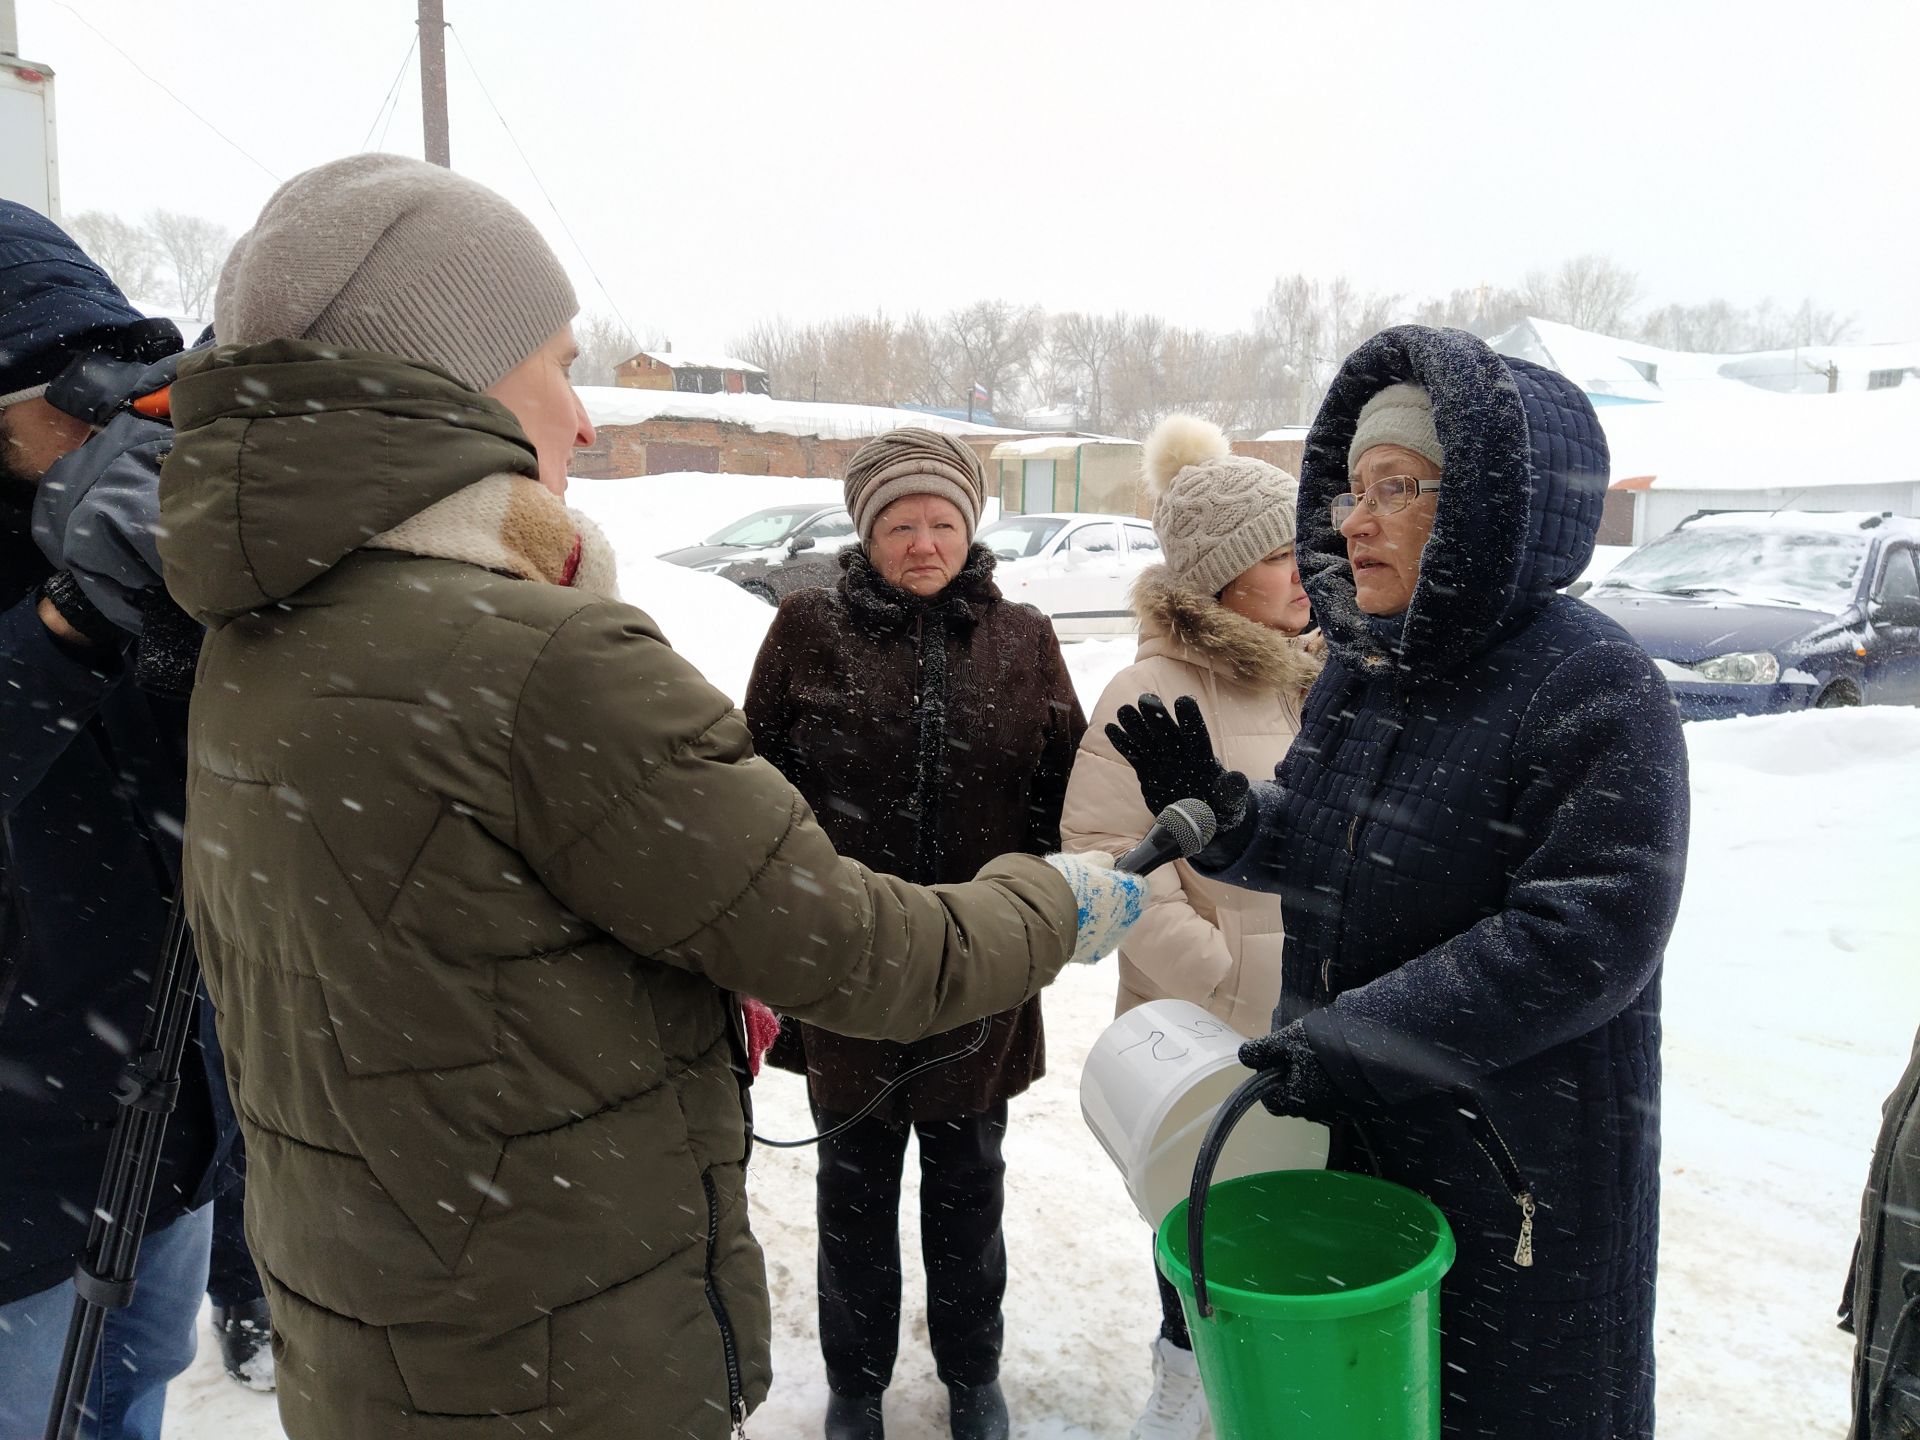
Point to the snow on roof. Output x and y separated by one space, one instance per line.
1604 365
617 405
1286 432
1827 522
1043 445
1629 370
695 360
1751 439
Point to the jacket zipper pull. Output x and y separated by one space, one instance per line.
1523 1252
1353 833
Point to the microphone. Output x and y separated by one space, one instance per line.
1184 828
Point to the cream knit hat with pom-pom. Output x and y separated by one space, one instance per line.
1216 513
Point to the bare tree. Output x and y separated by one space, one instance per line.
993 343
1589 292
1084 348
194 248
121 248
604 342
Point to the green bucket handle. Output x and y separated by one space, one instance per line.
1265 1082
1251 1092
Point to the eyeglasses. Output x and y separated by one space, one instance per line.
1388 495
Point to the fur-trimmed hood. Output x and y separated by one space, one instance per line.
1226 642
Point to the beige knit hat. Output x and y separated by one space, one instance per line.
380 252
912 461
1398 415
1216 513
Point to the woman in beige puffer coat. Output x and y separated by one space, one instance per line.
1225 621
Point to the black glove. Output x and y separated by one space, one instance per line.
1172 755
62 591
1308 1090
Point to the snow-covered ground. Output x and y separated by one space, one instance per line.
1791 1001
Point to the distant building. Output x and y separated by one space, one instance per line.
659 432
1759 451
1622 372
692 373
1096 474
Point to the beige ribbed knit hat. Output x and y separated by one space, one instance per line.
1398 415
380 252
1216 513
912 461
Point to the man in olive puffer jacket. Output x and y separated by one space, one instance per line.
477 864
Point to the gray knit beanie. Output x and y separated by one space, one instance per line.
380 252
1216 513
912 461
1398 415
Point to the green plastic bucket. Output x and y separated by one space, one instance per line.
1316 1312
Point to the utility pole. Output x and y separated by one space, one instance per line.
433 80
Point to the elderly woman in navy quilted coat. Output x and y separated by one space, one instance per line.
1479 839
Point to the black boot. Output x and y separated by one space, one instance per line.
246 1342
854 1417
979 1412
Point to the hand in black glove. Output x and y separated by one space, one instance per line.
1308 1090
1172 755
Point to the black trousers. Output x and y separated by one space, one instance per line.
231 1277
962 1198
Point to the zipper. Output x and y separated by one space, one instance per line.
736 1396
1488 1137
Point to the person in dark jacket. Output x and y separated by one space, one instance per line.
1479 840
931 724
92 768
1884 1297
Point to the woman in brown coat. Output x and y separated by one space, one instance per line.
931 724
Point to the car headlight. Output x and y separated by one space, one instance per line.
1745 667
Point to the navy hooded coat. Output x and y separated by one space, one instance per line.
1480 837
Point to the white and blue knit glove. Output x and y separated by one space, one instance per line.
1110 900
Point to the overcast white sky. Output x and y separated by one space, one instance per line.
722 161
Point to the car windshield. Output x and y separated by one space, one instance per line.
1019 536
1803 569
763 527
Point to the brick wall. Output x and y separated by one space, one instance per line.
667 444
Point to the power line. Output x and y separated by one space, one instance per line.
165 90
393 92
538 183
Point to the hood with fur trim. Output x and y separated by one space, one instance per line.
1224 640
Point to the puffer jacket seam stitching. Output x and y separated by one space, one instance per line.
618 798
239 523
752 883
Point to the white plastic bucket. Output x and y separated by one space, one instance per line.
1153 1081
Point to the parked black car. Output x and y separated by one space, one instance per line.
779 527
1754 613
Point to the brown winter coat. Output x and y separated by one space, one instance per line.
1215 945
475 861
927 735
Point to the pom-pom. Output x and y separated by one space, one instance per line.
1177 442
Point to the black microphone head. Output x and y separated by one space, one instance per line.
1192 825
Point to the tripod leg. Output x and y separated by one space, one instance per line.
104 1280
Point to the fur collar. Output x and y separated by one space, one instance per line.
1226 642
513 525
885 609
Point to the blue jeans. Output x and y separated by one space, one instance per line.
143 1347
